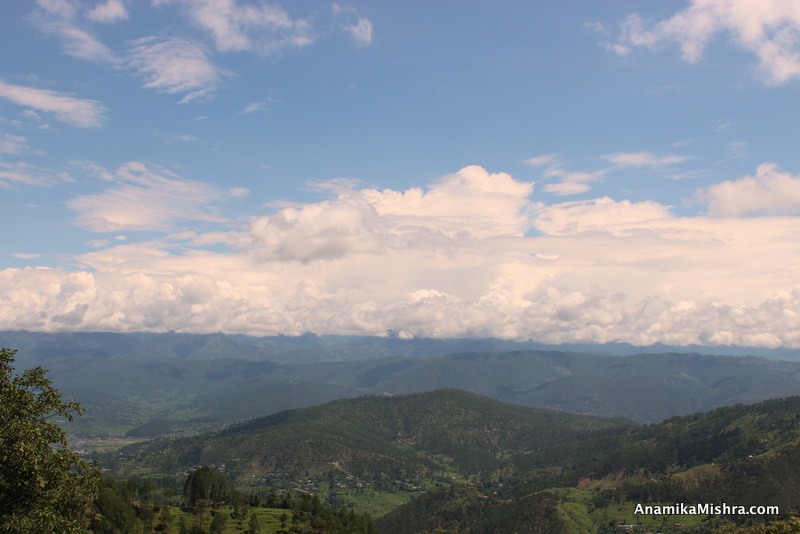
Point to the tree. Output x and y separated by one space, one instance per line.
208 485
44 486
218 523
255 526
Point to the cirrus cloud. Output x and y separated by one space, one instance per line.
145 199
235 27
643 159
83 113
175 65
58 18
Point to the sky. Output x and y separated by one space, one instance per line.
574 171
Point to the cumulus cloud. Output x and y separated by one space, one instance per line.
769 191
452 259
175 65
467 205
144 198
598 214
83 113
769 29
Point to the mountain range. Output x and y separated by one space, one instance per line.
155 384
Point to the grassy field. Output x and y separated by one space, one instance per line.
269 520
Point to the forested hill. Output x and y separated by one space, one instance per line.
443 433
470 462
744 455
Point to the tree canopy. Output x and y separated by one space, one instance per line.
208 485
44 486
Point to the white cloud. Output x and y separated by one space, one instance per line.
769 191
361 31
12 144
571 183
13 174
111 11
94 169
57 17
598 27
604 214
238 192
643 159
737 149
452 259
579 182
540 161
769 29
26 255
175 65
145 199
567 188
82 113
239 27
255 107
463 206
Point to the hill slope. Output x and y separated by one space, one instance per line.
438 432
470 462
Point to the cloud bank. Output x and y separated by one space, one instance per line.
471 255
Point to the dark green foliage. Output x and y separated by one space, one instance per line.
44 486
253 524
208 485
218 523
778 527
384 438
114 509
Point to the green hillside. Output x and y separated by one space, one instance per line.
741 456
464 461
392 447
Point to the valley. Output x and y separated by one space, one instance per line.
496 441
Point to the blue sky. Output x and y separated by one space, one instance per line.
556 171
